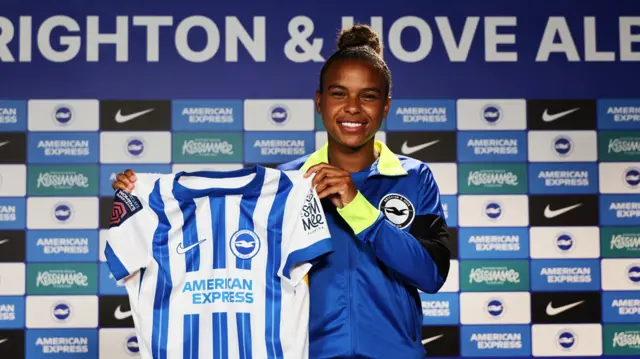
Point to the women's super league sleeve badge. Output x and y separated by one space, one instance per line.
124 206
397 209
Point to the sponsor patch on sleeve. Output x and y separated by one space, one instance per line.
312 215
124 206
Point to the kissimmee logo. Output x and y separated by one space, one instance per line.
62 278
622 339
619 242
492 178
207 147
619 146
502 275
311 216
46 180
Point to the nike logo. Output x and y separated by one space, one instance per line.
4 241
429 340
546 117
551 311
4 143
407 150
182 250
120 118
549 213
3 340
120 315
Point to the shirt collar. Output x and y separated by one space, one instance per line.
387 164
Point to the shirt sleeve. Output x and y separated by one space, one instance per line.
310 238
129 237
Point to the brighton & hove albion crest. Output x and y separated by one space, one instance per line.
397 209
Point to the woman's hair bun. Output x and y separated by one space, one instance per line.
359 35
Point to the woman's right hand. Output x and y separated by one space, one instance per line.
125 181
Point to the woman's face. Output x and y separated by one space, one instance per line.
353 102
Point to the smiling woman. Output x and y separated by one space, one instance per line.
383 210
354 97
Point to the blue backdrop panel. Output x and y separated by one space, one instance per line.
527 113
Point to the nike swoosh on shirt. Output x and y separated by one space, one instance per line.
551 311
429 340
4 241
407 150
546 117
551 213
182 250
3 340
4 143
120 315
120 118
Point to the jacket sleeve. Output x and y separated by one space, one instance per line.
420 256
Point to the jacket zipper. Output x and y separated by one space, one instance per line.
413 316
351 319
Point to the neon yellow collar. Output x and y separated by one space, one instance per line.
388 162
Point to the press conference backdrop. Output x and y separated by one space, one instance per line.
527 113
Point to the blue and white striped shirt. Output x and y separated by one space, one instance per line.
214 262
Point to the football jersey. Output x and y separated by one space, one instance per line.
214 262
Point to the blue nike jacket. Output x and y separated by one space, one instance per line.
390 241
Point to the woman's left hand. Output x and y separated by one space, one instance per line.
333 183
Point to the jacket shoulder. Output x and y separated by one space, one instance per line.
413 166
